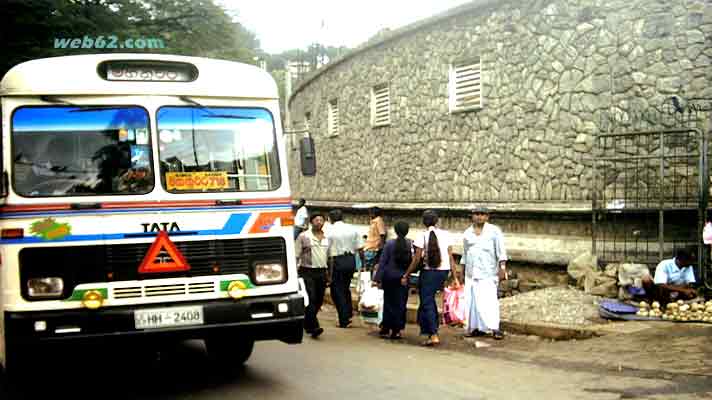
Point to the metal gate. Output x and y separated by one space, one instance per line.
651 185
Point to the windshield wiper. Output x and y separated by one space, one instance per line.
80 108
210 113
98 108
228 116
55 99
196 104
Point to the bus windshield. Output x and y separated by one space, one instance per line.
81 151
217 149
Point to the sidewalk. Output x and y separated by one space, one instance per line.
633 348
544 330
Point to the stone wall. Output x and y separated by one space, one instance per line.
548 68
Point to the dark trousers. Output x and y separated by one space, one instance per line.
430 282
315 282
661 294
395 300
341 277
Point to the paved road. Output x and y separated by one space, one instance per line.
343 364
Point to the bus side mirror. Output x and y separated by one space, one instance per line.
308 156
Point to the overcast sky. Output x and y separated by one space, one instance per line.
283 24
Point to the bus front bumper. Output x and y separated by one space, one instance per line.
259 318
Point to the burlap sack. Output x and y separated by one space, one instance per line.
632 274
582 265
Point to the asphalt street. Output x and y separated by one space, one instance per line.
343 364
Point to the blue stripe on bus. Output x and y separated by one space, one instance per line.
138 210
234 225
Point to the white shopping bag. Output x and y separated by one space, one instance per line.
364 282
371 305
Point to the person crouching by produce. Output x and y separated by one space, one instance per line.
673 279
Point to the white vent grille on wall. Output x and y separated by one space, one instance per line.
333 122
381 106
465 86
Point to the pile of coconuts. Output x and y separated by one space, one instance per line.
678 311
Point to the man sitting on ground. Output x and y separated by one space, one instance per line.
673 279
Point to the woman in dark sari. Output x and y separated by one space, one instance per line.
394 261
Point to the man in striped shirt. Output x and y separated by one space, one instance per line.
312 248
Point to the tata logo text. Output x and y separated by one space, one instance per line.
161 226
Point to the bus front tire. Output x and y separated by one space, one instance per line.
17 363
229 351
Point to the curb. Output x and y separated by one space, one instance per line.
548 331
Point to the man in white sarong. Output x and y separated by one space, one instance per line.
485 261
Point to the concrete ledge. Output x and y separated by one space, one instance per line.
553 206
537 249
549 331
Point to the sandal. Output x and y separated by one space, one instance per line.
396 335
432 341
344 326
384 332
497 335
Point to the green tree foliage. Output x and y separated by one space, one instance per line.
187 27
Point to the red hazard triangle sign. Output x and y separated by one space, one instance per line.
163 256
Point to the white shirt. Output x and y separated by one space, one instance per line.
444 241
318 250
668 273
300 219
482 253
344 239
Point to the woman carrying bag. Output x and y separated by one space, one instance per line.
435 247
395 260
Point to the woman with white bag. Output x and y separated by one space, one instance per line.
435 248
395 259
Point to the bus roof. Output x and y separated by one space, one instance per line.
82 75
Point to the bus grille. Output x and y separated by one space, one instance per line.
164 290
120 262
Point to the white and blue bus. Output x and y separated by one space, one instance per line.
146 197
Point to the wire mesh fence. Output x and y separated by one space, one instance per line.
651 184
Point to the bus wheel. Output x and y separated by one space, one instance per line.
229 351
17 364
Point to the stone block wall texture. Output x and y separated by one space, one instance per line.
548 69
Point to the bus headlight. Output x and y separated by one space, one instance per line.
269 273
50 287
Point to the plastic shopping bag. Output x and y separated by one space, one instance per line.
358 263
707 233
454 306
371 305
364 282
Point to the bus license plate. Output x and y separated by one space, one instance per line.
167 317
